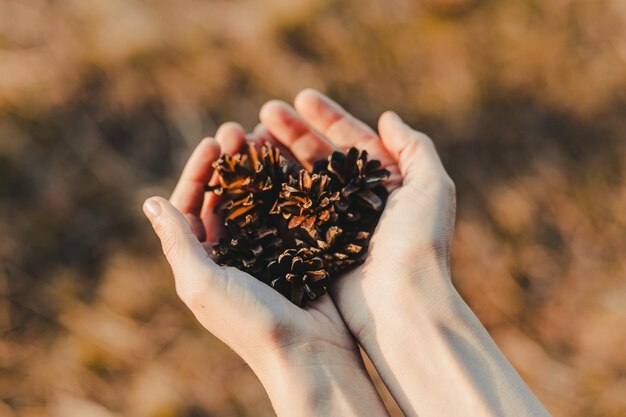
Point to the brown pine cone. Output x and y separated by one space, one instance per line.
360 183
250 183
249 250
298 273
342 249
294 229
307 202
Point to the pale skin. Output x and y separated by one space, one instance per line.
400 305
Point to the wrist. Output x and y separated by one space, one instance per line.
317 378
437 359
415 311
396 297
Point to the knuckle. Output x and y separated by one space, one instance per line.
365 137
422 138
409 152
421 145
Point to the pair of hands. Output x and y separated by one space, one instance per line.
413 234
263 327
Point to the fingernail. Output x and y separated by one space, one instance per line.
152 208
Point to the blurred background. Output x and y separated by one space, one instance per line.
102 101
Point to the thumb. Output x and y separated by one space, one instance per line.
413 151
181 247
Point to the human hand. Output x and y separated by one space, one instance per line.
284 344
414 233
433 354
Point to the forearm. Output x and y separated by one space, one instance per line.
438 360
318 380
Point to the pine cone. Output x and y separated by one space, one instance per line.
360 183
291 228
249 250
307 203
342 249
251 184
298 272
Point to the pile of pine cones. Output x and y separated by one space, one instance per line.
294 229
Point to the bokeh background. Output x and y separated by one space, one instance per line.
101 102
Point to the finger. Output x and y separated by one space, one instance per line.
263 136
188 195
339 126
181 248
282 121
196 276
208 248
197 228
413 150
231 138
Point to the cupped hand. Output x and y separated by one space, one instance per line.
430 350
249 316
415 229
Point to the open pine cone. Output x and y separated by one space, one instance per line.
307 202
342 249
360 183
249 250
293 229
298 273
251 184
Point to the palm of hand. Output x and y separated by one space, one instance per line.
415 227
267 316
412 236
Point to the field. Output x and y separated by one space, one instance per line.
102 101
